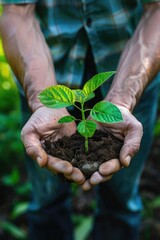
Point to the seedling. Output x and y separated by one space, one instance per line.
60 96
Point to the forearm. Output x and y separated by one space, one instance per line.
140 61
26 51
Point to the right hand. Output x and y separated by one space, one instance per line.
44 123
130 131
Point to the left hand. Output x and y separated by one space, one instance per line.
42 124
131 131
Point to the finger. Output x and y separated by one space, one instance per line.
57 165
37 153
110 167
97 178
86 186
131 144
76 176
33 148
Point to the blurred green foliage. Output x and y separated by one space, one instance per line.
11 150
13 185
14 188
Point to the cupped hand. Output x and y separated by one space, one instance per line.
130 131
42 124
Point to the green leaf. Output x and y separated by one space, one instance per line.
81 96
106 112
156 202
87 128
2 58
83 229
95 82
19 209
58 96
89 97
24 189
13 230
66 119
12 179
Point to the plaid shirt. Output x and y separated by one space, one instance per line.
71 25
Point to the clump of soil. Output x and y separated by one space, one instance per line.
102 147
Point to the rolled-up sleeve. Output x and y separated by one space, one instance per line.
3 2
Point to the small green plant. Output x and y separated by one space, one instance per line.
60 96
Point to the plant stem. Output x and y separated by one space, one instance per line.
84 118
86 145
77 107
82 111
89 109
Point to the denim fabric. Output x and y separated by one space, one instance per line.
50 206
119 204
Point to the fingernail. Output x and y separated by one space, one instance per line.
127 160
39 160
86 186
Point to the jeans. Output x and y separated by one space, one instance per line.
119 206
119 203
118 215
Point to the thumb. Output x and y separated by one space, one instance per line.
37 153
131 145
34 149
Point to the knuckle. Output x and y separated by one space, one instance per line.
137 125
117 167
109 177
29 151
140 127
81 181
32 152
22 133
136 147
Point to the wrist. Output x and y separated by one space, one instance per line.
122 99
126 91
33 101
35 81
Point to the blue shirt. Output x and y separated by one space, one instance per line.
70 26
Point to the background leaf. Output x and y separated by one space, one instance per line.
87 128
66 119
14 231
19 209
84 228
58 96
106 112
95 82
11 179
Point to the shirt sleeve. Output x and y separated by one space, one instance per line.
3 2
149 1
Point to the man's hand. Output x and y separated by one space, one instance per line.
130 130
138 65
44 123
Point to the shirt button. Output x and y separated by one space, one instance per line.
89 22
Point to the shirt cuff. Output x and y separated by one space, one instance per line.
17 1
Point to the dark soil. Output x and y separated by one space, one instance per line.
102 147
